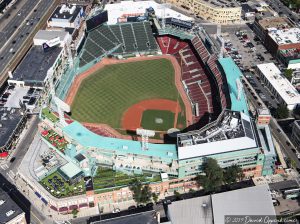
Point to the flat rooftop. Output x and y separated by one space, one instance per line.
70 169
275 22
247 201
192 211
9 209
50 34
285 36
66 12
232 131
212 209
35 65
119 10
9 121
222 3
140 218
282 86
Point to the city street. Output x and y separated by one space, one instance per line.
7 175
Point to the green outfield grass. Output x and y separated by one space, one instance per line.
150 120
104 96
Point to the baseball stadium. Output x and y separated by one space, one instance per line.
153 95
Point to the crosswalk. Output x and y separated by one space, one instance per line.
4 167
11 174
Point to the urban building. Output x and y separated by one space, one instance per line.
282 39
220 12
296 77
12 122
296 134
282 89
120 12
213 209
10 213
262 25
67 16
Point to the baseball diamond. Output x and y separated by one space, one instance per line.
103 95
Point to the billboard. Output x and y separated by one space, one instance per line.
97 20
51 44
180 23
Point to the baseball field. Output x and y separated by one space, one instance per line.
120 91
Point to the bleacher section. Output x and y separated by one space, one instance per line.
194 78
213 67
124 38
204 85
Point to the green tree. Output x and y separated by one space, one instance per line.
293 163
213 178
177 195
282 112
232 174
74 213
155 197
288 73
141 193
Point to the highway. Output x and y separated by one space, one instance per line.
19 29
7 183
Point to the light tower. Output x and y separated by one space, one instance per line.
61 105
145 136
219 36
68 51
239 86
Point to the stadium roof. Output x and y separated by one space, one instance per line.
132 8
9 121
247 201
282 86
35 65
233 73
7 205
87 138
232 131
70 169
191 211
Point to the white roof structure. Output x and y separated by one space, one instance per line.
191 211
43 36
285 36
232 131
247 201
282 86
131 8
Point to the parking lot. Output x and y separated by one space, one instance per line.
242 42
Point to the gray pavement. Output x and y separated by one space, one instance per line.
36 216
249 58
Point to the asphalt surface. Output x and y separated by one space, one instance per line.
261 90
12 38
282 10
33 215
